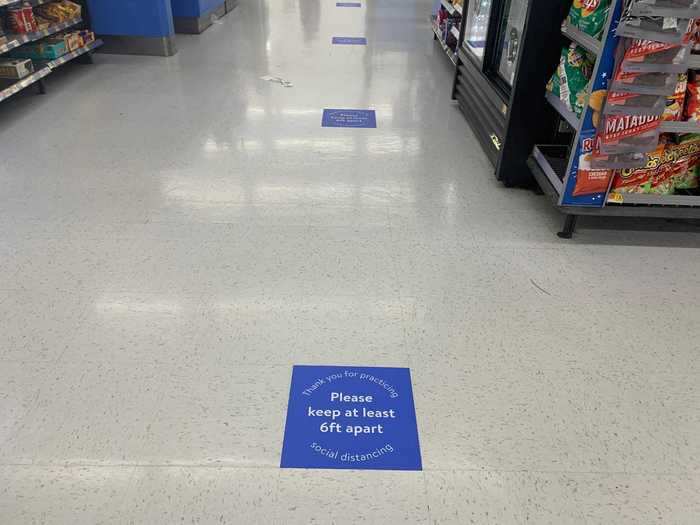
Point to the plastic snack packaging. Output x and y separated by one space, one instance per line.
667 168
669 30
676 102
571 78
628 134
648 56
692 102
21 19
668 8
689 179
588 178
633 104
589 16
644 83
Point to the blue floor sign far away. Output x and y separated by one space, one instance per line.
350 40
349 118
348 4
343 417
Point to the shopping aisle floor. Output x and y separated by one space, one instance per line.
177 233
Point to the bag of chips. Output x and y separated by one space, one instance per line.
692 100
648 56
571 78
589 16
689 179
629 133
676 102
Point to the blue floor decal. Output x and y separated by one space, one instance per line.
350 40
344 417
349 118
348 4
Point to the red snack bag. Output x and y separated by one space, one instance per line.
692 100
675 103
649 56
629 133
588 179
21 19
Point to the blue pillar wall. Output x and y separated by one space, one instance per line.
134 26
194 8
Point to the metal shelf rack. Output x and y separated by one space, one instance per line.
555 166
43 68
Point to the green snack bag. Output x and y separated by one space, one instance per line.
589 16
571 78
688 180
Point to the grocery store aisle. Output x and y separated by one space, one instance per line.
176 233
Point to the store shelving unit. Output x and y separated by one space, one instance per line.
42 68
454 10
554 166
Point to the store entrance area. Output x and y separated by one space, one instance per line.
177 233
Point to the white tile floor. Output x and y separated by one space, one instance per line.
183 232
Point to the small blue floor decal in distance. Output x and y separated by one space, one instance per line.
348 4
346 417
349 118
350 40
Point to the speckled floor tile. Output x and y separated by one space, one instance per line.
20 384
346 497
202 495
502 418
551 332
133 328
39 324
503 498
214 414
298 329
54 495
87 414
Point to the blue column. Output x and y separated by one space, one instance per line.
134 26
194 16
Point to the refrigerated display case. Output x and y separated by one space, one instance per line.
501 39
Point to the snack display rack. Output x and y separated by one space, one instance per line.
42 68
447 24
555 165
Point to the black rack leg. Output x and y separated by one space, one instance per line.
41 86
85 59
569 227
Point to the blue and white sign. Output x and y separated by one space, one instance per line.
349 118
348 4
350 40
344 417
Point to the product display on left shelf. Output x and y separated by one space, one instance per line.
447 26
38 36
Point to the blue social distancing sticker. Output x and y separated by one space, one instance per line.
349 118
350 40
342 417
348 4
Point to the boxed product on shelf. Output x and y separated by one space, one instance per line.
21 19
43 50
59 11
589 16
570 80
15 69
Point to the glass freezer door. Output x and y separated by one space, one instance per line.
477 27
510 38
